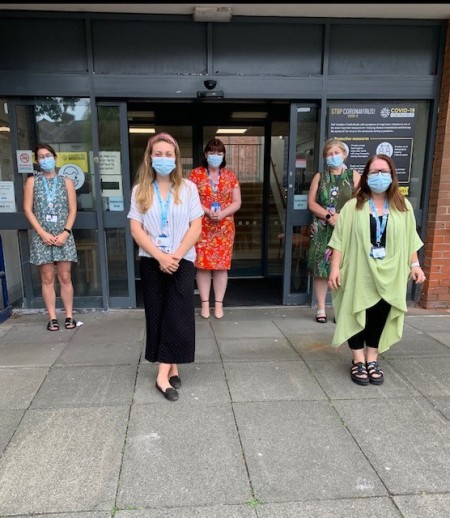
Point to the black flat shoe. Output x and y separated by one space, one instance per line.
170 393
175 381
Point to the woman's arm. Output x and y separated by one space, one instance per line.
417 274
334 279
61 238
313 206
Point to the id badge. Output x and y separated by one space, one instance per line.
162 242
215 206
51 218
378 252
331 209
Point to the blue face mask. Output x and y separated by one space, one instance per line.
163 165
47 164
379 182
214 160
335 160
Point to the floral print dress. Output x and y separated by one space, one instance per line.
40 253
333 191
215 246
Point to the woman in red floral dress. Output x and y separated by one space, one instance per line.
220 196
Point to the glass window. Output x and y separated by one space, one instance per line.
117 262
7 196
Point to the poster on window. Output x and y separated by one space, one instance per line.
376 128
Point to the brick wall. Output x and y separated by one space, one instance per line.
435 291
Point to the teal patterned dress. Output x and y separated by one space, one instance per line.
40 253
333 190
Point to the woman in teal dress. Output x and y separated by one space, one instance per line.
328 193
50 205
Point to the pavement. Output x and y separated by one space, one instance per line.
268 423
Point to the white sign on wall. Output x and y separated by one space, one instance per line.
24 161
7 200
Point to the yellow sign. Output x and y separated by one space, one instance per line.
78 158
404 190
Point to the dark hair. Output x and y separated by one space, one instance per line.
394 196
215 145
44 146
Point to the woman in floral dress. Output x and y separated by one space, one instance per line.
220 196
50 205
328 193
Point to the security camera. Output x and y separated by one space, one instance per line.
210 84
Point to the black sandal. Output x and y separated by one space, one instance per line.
359 373
70 323
53 325
376 375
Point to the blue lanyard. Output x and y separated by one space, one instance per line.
163 207
50 197
380 227
214 186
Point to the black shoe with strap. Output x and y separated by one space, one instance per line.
376 375
359 373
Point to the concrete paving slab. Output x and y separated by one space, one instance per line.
16 354
217 511
201 383
301 450
443 338
428 376
114 330
9 420
95 514
246 328
256 349
429 323
272 381
417 346
207 351
357 507
236 313
19 386
317 347
181 456
294 327
424 506
102 352
203 329
87 386
334 378
63 461
406 440
37 334
442 404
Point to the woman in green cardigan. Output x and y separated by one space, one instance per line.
375 244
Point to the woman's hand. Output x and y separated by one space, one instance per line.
217 215
60 239
334 279
168 263
334 219
47 238
417 275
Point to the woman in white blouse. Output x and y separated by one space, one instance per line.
165 220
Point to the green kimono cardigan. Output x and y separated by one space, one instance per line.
364 280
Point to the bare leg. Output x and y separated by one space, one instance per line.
163 376
320 291
204 288
173 371
65 282
220 281
47 273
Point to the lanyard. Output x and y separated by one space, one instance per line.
380 227
214 186
163 206
50 197
334 187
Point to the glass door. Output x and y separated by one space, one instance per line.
303 160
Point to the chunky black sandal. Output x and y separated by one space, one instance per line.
53 325
70 323
376 375
359 373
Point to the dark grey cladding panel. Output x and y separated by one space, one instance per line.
271 49
146 47
43 45
386 50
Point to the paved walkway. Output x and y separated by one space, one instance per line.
268 423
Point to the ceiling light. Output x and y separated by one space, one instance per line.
141 130
230 131
212 14
141 114
249 115
5 128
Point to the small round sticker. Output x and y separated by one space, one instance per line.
74 172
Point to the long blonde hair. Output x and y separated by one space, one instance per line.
146 175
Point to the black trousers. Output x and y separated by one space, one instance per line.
376 317
169 312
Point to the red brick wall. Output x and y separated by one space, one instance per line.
436 259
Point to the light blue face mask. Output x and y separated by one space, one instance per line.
379 182
163 165
335 160
47 164
214 160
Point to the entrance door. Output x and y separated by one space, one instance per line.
303 159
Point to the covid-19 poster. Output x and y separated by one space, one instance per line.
374 128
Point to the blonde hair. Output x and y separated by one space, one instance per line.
334 142
146 175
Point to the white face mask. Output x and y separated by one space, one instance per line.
379 182
214 160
